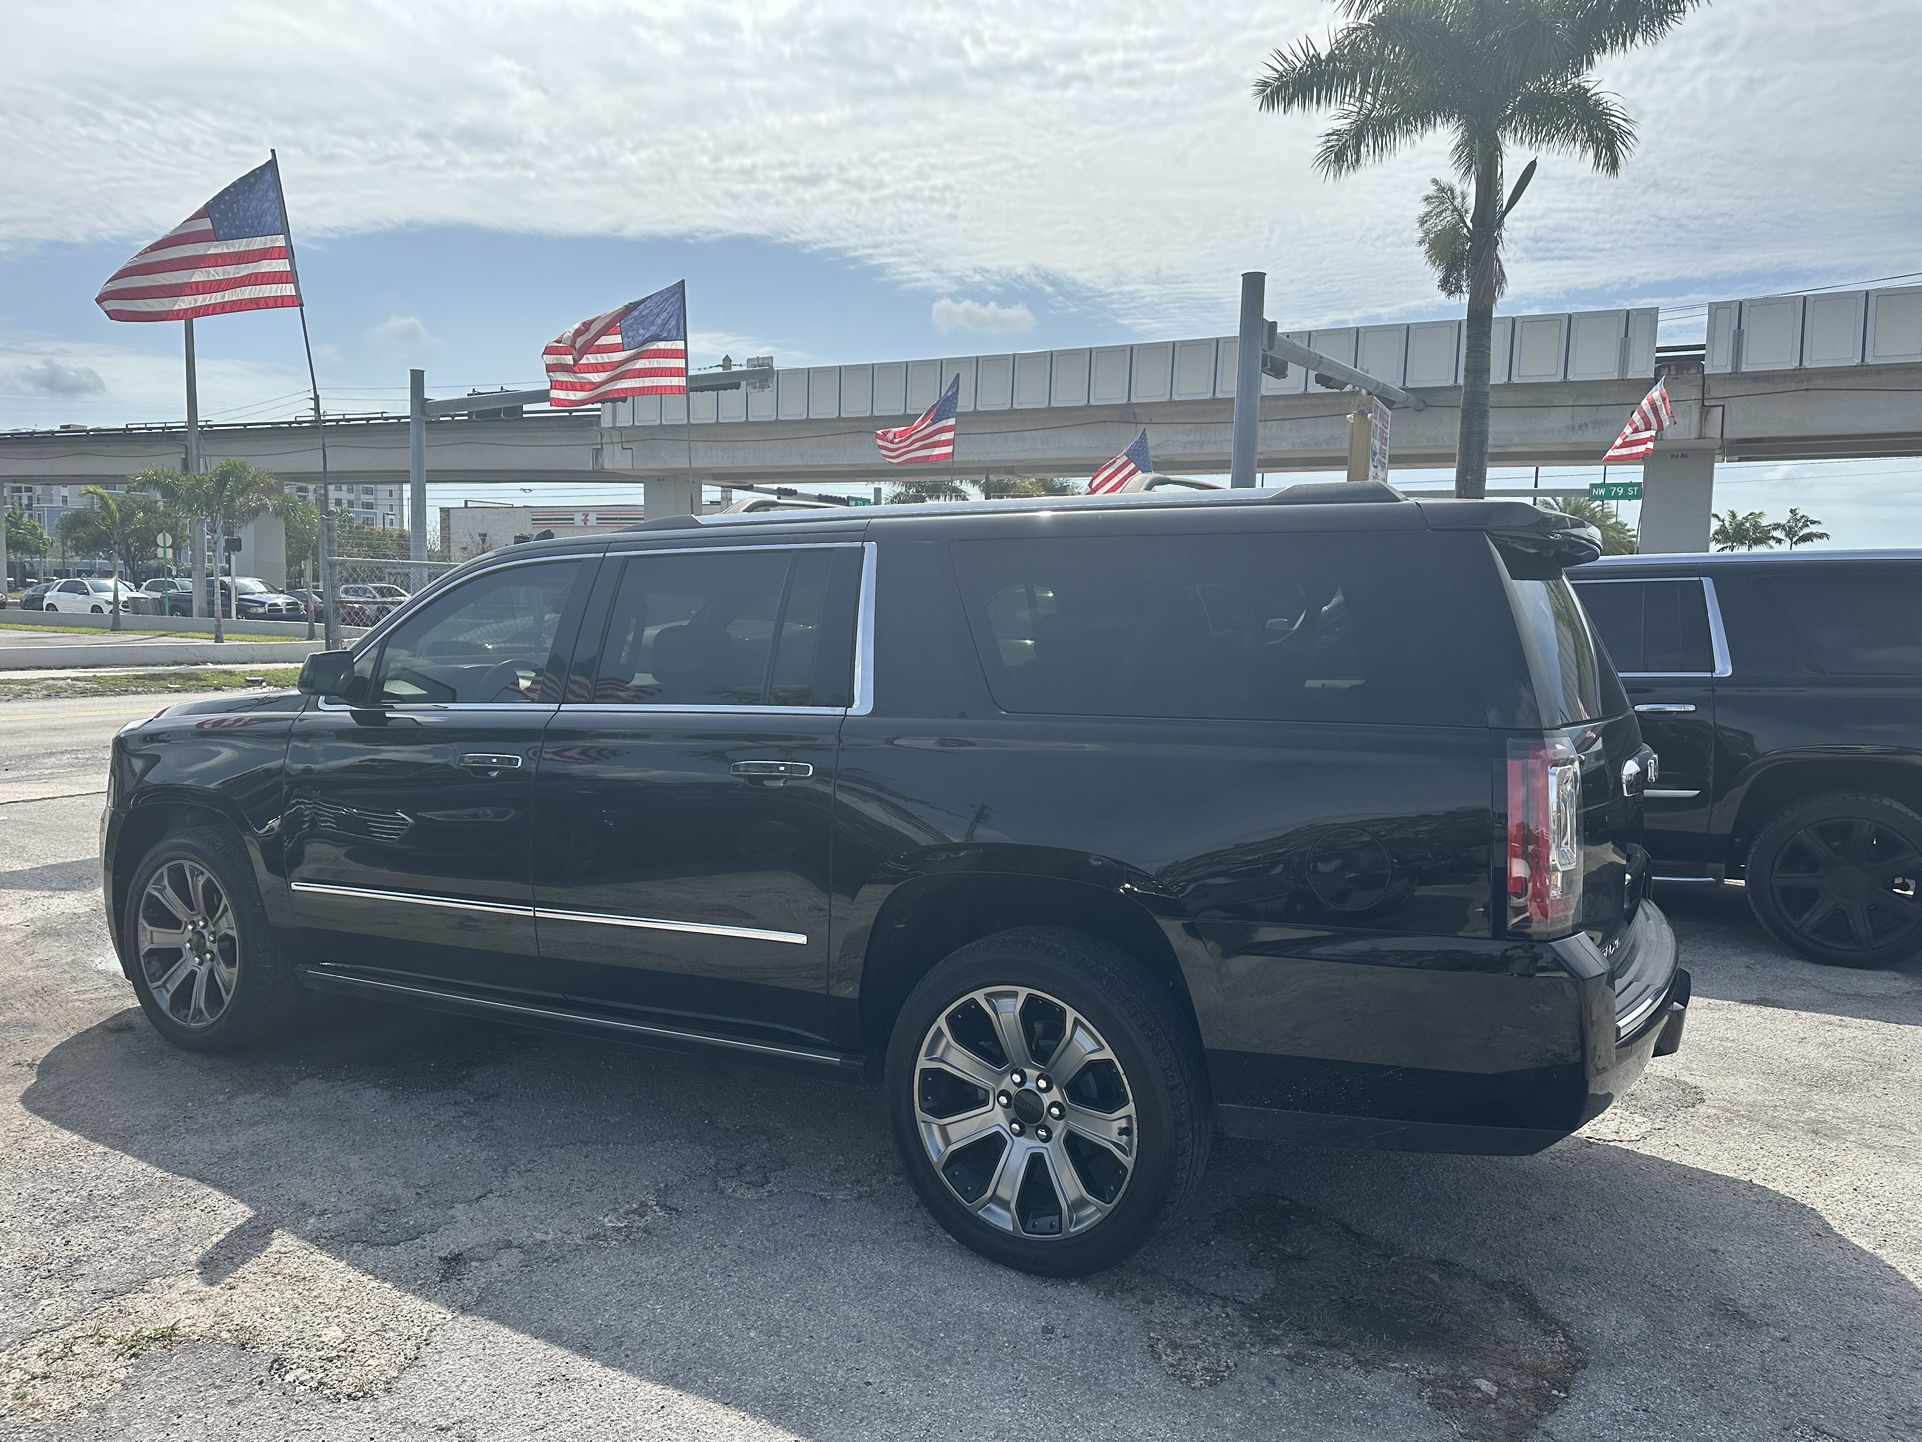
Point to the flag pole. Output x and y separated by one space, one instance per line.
199 536
313 378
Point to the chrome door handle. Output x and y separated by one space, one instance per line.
490 761
781 770
1665 708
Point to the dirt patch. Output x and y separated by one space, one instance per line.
1484 1354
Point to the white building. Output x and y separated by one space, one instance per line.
372 504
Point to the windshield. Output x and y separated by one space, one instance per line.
248 586
100 585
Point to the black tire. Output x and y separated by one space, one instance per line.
264 994
99 610
1154 1051
1838 879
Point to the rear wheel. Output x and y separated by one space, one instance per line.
1047 1099
1838 879
205 962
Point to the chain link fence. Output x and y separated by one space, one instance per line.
359 591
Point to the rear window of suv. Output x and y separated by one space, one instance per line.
1847 619
1574 681
1288 626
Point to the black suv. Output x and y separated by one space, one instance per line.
1783 694
1080 826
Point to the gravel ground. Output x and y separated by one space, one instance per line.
402 1225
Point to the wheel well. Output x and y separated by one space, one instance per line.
1783 786
144 826
932 917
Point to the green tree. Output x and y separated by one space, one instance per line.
25 535
1744 531
1618 537
118 525
996 488
1489 74
301 519
355 538
1801 530
935 488
224 499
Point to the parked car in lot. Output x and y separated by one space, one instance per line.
164 596
95 595
312 603
1080 830
367 604
1783 694
249 598
34 598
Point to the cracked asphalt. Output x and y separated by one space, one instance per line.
398 1225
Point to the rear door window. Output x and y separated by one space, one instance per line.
763 627
1264 627
1652 628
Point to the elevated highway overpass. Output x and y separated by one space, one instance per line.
1833 376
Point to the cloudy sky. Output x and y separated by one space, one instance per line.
864 181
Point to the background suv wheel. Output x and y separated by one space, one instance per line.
205 963
1048 1100
1839 879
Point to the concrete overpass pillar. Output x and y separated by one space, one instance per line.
670 496
1678 497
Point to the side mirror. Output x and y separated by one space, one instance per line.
327 673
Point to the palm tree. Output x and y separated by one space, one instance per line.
1744 531
908 493
117 515
1618 537
230 495
1799 529
1489 73
999 487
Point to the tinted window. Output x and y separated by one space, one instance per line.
487 641
732 628
1651 627
1317 627
1828 620
1573 680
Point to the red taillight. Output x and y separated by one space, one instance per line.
1544 850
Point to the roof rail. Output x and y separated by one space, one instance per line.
665 523
1316 493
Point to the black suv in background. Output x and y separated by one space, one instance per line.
1783 695
1081 826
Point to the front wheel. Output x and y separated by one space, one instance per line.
1839 880
1048 1100
99 610
205 963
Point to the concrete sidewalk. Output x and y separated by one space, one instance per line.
26 649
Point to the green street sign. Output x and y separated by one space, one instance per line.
1615 490
860 500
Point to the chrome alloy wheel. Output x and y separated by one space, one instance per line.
189 944
1025 1112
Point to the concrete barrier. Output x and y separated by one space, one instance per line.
187 626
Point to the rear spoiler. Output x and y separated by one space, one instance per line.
1537 544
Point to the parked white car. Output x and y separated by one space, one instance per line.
94 595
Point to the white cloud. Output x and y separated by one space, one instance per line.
1107 153
402 336
49 377
140 384
982 315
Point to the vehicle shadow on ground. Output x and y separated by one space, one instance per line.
1731 958
81 875
745 1236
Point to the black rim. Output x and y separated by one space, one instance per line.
1849 884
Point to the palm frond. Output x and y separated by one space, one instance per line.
1596 28
1365 133
1575 118
1308 77
1444 229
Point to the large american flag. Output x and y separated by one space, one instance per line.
231 254
638 350
1123 468
1653 416
929 439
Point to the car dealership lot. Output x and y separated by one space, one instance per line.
414 1226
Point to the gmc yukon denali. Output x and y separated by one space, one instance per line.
1084 828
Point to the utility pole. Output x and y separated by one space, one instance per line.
1249 341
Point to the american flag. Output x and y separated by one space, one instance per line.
929 439
231 254
1653 416
638 350
1123 468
